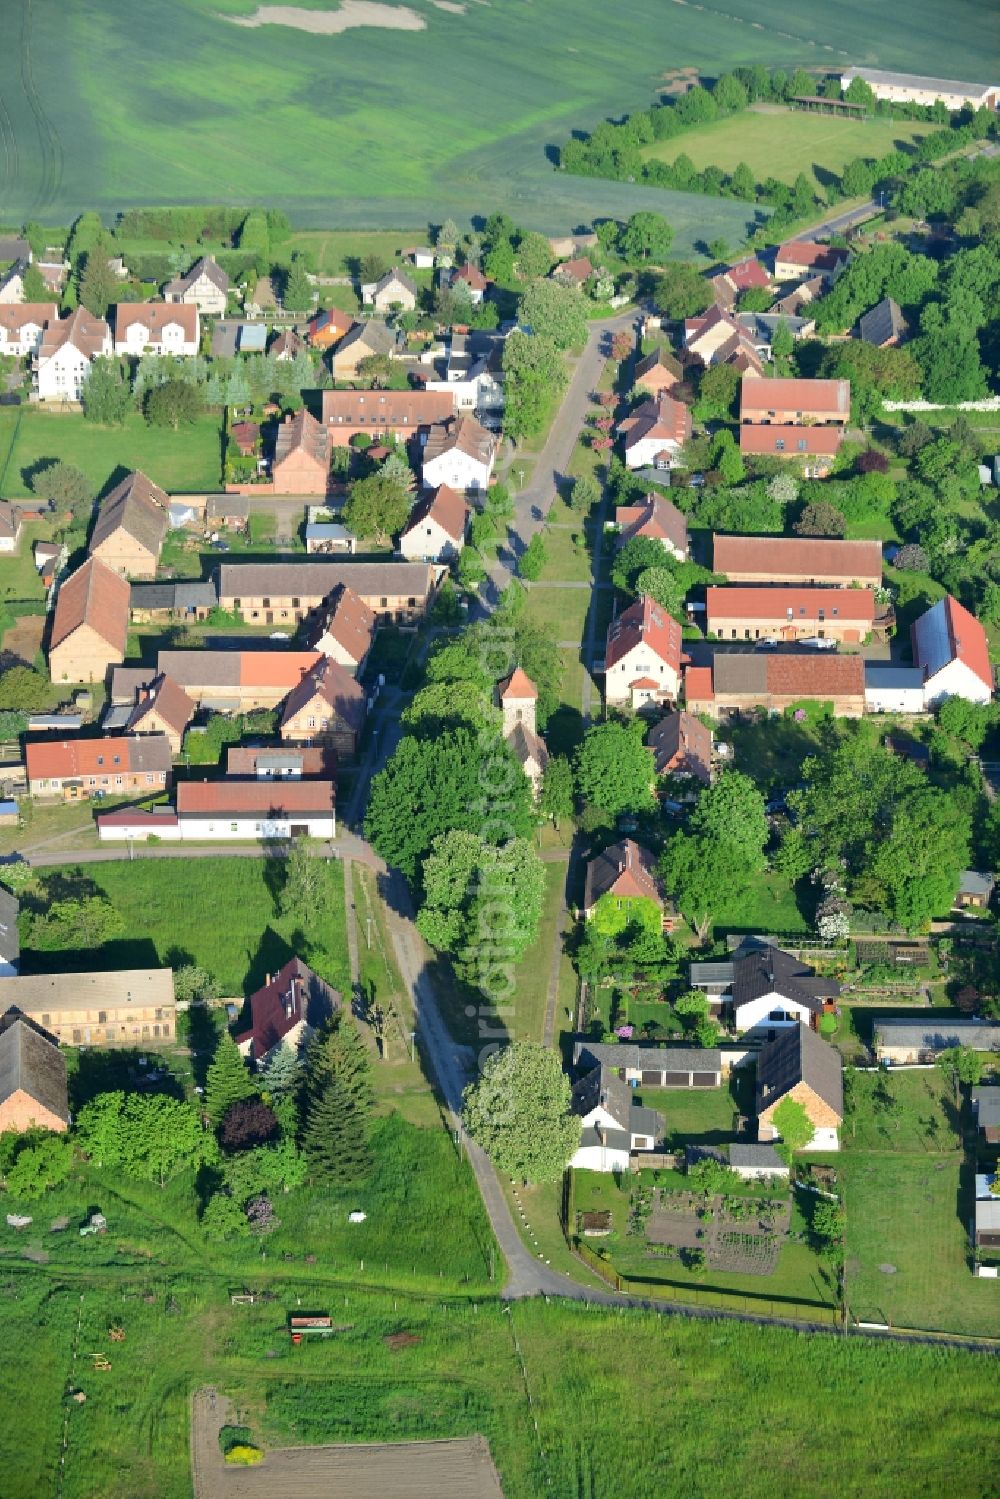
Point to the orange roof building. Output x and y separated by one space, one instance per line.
89 624
797 559
435 531
794 402
846 614
642 658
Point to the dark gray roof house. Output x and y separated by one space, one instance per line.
653 1066
769 970
602 1088
798 1055
882 325
986 1107
32 1072
12 248
184 596
10 942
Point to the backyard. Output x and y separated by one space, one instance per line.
220 913
784 142
187 460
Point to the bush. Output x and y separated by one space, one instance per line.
245 1455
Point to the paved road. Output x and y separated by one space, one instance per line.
532 503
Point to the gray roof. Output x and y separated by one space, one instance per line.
180 595
634 1057
938 1035
920 81
12 248
373 335
138 507
976 882
743 671
207 266
882 322
877 675
601 1086
769 970
318 579
201 668
10 945
643 1121
711 975
126 681
987 1214
527 745
756 1158
227 504
31 1062
986 1102
797 1055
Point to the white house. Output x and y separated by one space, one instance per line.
10 526
22 325
206 286
67 350
952 652
473 372
394 289
435 531
10 945
459 454
913 88
12 282
655 433
893 689
156 328
231 811
763 989
612 1124
642 657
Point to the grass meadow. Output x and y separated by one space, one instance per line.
788 142
220 913
187 460
356 130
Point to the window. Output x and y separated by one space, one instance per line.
266 603
233 827
76 1037
310 723
102 1017
412 603
835 612
385 603
296 603
100 759
46 1019
779 445
236 603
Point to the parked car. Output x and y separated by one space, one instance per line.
818 643
767 643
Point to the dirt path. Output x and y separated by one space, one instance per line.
459 1469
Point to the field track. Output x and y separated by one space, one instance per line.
458 1469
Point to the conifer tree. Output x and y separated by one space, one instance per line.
338 1052
335 1139
227 1080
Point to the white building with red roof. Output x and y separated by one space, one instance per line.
517 697
654 518
435 531
655 433
642 658
951 650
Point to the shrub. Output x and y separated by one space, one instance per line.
244 1455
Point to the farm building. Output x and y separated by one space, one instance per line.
757 1163
912 88
906 1041
652 1066
893 689
797 559
345 629
89 625
33 1093
327 706
131 526
951 649
741 680
301 462
274 592
125 1007
747 613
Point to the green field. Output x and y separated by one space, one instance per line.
220 913
787 142
378 127
188 460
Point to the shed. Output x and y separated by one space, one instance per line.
757 1162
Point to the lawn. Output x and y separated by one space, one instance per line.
184 461
114 127
561 611
19 578
768 905
220 913
787 142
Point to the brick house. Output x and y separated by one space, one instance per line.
657 519
236 681
118 765
205 286
745 275
797 559
625 871
642 658
301 462
795 403
814 447
162 707
131 526
68 348
435 531
739 681
383 413
33 1092
799 1064
747 613
328 706
156 328
120 1008
327 327
360 342
22 326
285 1011
89 624
344 630
658 371
274 592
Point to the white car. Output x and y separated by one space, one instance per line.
818 643
279 635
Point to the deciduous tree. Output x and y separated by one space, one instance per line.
377 506
554 312
794 1126
614 769
519 1112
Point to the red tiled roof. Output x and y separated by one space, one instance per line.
856 605
517 685
626 870
791 557
168 700
61 758
17 315
968 640
811 397
445 506
359 410
644 623
791 442
275 668
747 273
472 276
302 432
575 270
662 418
217 798
810 255
334 684
655 517
815 675
95 596
350 622
698 684
156 316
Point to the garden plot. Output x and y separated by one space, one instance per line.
737 1235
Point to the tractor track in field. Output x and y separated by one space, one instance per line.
8 138
51 175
